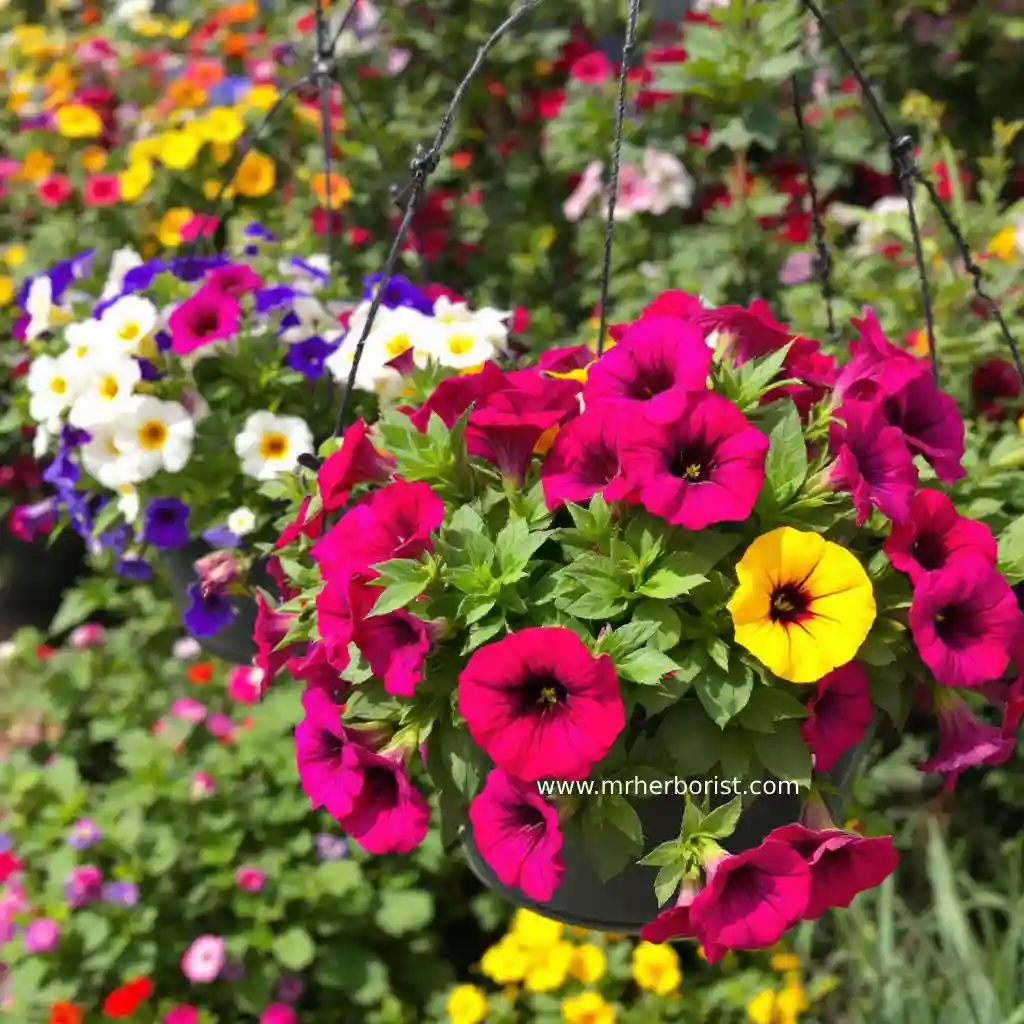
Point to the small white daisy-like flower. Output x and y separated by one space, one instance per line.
241 522
53 385
157 434
121 262
108 385
104 460
270 444
43 313
130 322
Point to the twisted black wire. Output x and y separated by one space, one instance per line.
422 166
823 258
613 182
901 151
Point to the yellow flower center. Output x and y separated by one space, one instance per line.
59 386
460 344
129 331
109 388
397 345
112 448
152 435
273 446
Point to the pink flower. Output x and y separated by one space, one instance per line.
964 740
584 459
454 395
279 1013
389 815
517 833
207 316
220 726
55 190
203 960
235 280
398 521
963 619
590 187
102 190
313 667
659 358
705 465
335 619
201 786
271 628
188 709
838 714
541 705
183 1013
330 773
245 684
636 194
200 226
934 535
593 68
250 879
42 935
873 462
841 864
91 634
674 922
83 885
357 461
751 899
395 645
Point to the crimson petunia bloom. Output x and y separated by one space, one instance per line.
330 772
963 620
934 535
584 459
271 628
335 619
995 389
541 705
658 358
751 898
303 525
125 1000
236 280
873 462
357 461
395 645
517 833
841 864
838 714
209 315
454 395
704 465
964 740
674 922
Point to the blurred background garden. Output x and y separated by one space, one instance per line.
158 859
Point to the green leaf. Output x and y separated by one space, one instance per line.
662 856
648 666
667 581
612 835
1011 551
692 819
703 743
768 705
668 881
725 694
665 621
786 464
514 546
722 821
784 753
294 949
338 877
403 580
62 778
77 606
401 913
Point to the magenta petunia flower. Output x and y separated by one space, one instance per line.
209 315
584 459
235 280
336 619
271 628
330 771
395 522
751 898
311 666
963 619
566 359
873 462
517 833
877 366
674 922
388 815
838 714
841 864
964 740
395 645
357 461
454 395
704 465
541 705
658 358
935 534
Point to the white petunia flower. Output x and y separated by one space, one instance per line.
374 375
241 522
461 345
122 261
309 274
130 322
87 340
42 312
53 385
107 389
128 502
106 461
157 434
269 444
314 320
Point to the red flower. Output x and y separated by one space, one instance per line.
550 103
55 190
200 674
9 865
65 1013
102 190
124 1001
593 69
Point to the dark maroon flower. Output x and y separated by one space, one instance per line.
995 389
838 715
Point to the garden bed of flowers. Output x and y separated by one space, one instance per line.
325 592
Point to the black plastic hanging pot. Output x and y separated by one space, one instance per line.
234 643
34 576
625 903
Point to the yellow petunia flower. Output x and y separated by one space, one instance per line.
221 125
214 189
532 931
466 1005
1003 245
185 94
179 150
771 1007
6 290
506 962
338 187
549 968
94 159
15 255
256 176
135 179
77 121
36 165
588 1008
588 963
262 97
169 229
785 962
803 605
656 968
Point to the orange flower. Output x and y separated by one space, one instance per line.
234 44
235 13
200 674
65 1013
340 190
206 72
186 95
461 160
36 166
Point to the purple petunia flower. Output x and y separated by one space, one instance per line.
84 833
149 371
400 291
221 537
124 894
134 568
6 842
83 885
207 614
331 847
195 268
308 357
276 296
256 230
165 523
